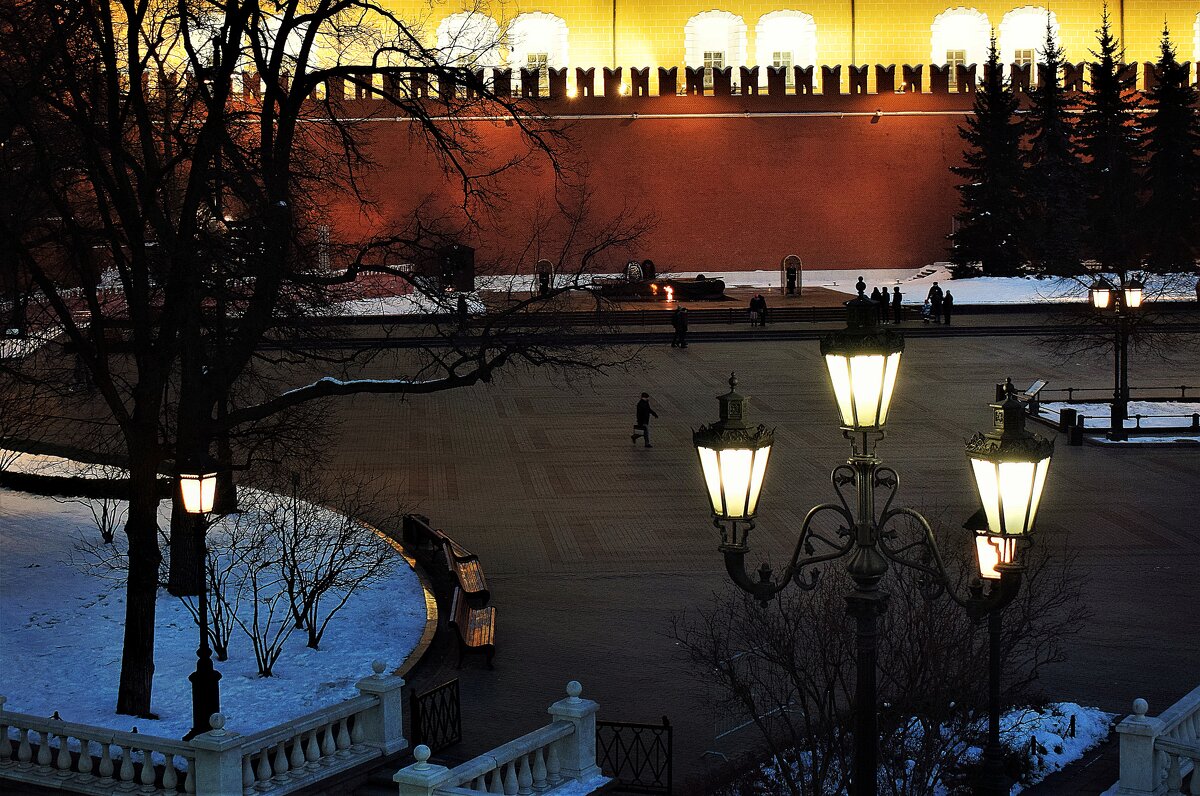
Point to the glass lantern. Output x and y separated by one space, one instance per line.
733 458
863 361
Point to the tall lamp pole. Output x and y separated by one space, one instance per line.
863 360
1122 302
197 488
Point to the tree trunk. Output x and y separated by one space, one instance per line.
141 529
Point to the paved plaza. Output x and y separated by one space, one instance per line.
591 546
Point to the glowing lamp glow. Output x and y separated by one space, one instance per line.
1101 295
572 92
670 293
1133 294
733 458
198 490
863 362
1010 465
993 551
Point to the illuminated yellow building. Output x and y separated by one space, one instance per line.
640 33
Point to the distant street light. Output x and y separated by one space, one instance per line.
1122 302
1010 465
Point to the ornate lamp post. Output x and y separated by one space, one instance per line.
197 491
1010 465
863 362
1122 303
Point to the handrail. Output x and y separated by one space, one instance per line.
1186 708
1177 747
60 728
308 722
506 753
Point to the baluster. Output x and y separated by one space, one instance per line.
43 755
496 785
125 773
170 775
263 772
539 769
189 780
297 758
106 762
280 764
148 771
85 757
247 773
510 778
328 747
5 744
553 765
524 777
24 751
1194 789
62 761
356 734
479 784
312 752
1174 777
343 738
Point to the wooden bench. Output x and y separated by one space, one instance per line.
471 581
476 627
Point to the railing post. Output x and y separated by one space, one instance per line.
578 750
383 724
1139 766
421 778
218 760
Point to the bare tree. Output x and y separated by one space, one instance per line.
787 669
124 130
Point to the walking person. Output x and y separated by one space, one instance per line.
935 303
679 322
947 306
762 310
897 300
644 413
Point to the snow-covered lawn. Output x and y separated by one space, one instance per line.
1155 414
60 636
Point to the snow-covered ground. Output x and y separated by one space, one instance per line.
61 633
410 304
1155 414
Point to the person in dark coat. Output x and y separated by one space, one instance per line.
644 413
897 301
679 322
875 295
935 303
762 310
463 314
884 302
947 306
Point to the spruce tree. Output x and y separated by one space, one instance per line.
1108 135
985 240
1171 214
1053 189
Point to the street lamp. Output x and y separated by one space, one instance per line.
1122 303
1010 466
197 492
863 362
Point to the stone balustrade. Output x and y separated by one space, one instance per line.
292 756
1157 752
561 754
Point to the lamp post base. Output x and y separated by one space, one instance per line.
206 694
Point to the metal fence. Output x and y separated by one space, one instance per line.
436 718
636 756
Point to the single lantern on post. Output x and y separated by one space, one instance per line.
198 489
863 361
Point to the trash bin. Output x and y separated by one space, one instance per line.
1066 419
1075 433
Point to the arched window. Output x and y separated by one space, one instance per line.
785 38
714 40
1022 35
959 36
537 41
1196 43
469 39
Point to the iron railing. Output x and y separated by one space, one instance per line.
436 717
636 756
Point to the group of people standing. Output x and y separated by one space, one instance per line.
883 300
939 305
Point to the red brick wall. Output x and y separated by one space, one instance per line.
731 193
